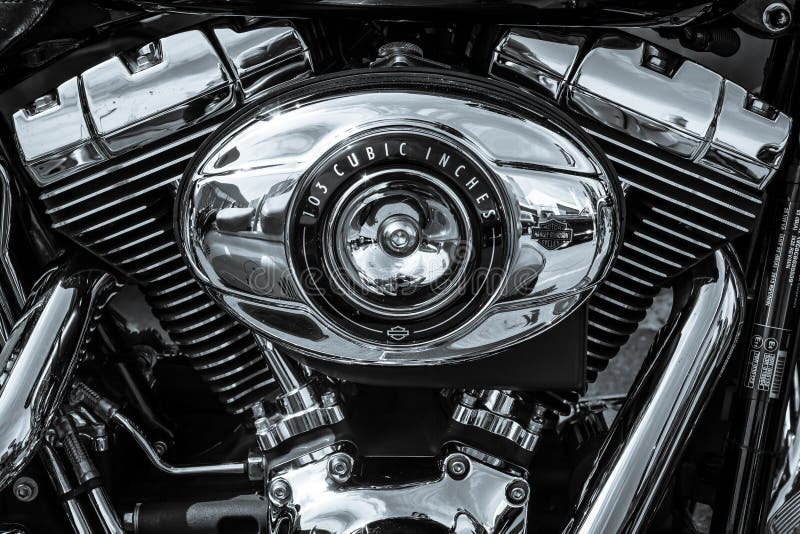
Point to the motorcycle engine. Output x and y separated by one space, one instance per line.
399 222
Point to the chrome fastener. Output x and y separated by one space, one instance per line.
280 492
340 467
517 492
457 466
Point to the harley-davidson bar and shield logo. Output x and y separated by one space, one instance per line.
553 234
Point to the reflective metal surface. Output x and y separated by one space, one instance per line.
53 135
500 413
394 245
109 412
255 51
250 210
151 91
41 354
301 407
665 100
644 444
480 499
169 84
12 296
233 468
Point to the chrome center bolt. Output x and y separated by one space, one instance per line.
280 492
400 235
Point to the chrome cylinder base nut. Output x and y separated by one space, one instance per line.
280 492
340 467
25 489
457 466
517 492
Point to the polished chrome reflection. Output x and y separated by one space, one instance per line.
53 135
480 499
644 445
264 55
12 295
181 74
40 356
403 241
152 91
393 237
652 95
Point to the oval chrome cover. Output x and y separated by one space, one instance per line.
418 220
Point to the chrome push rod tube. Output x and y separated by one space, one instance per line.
41 353
646 440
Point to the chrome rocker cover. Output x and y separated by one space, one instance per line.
383 220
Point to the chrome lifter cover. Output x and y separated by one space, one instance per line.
378 220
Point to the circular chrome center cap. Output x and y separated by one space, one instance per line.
400 242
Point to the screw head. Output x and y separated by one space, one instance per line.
517 492
777 17
340 467
280 492
457 466
160 447
25 489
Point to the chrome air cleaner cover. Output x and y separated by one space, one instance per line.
400 221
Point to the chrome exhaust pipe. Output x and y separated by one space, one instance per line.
41 353
645 442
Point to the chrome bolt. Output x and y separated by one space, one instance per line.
280 492
160 447
457 466
329 399
777 17
517 492
340 467
26 489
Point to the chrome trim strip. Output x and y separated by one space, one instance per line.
40 356
666 400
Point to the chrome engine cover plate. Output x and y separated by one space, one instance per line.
416 220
